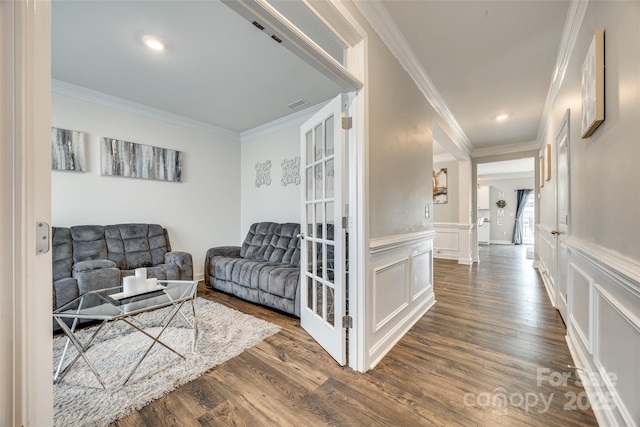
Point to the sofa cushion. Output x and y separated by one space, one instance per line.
257 240
246 272
283 244
62 253
280 281
88 242
92 264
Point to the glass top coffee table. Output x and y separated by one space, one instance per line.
110 305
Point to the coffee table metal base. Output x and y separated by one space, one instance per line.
83 348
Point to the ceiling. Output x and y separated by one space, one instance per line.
519 168
484 57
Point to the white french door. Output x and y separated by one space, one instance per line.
563 216
322 244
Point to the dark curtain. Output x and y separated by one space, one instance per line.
523 196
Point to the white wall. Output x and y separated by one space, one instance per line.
200 212
275 202
504 233
603 325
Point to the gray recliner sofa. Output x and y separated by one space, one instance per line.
90 257
264 270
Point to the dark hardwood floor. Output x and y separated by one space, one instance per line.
490 352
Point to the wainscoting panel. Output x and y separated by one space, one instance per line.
580 306
389 291
445 245
453 242
604 331
400 290
421 281
546 260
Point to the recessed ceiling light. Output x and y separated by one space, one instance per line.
154 43
502 117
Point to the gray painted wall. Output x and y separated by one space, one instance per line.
605 200
400 147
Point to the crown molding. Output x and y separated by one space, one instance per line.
506 149
572 24
441 158
378 17
287 122
482 179
69 90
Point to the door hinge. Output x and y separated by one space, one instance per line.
347 322
347 223
346 123
42 238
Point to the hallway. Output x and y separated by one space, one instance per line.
491 352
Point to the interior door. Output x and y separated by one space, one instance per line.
563 216
322 266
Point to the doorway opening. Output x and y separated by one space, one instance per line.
499 211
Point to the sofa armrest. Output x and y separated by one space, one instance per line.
90 265
225 251
184 262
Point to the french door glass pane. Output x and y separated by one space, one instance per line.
310 221
319 181
310 184
310 150
329 136
329 172
319 139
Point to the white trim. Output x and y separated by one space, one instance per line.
483 179
391 338
505 149
26 395
442 158
575 15
404 263
624 269
376 13
69 90
287 122
296 41
595 394
500 242
381 244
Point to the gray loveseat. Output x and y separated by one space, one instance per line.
90 257
264 270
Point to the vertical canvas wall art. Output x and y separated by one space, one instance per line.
67 150
593 86
440 186
132 160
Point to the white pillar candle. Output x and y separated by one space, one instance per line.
152 282
128 285
141 274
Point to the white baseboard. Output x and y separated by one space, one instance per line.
500 242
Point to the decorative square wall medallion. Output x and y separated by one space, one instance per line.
290 171
132 160
263 173
67 150
440 186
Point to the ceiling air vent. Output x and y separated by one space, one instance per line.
257 25
296 104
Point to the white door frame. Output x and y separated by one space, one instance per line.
562 230
26 389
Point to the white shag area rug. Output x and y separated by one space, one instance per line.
79 400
